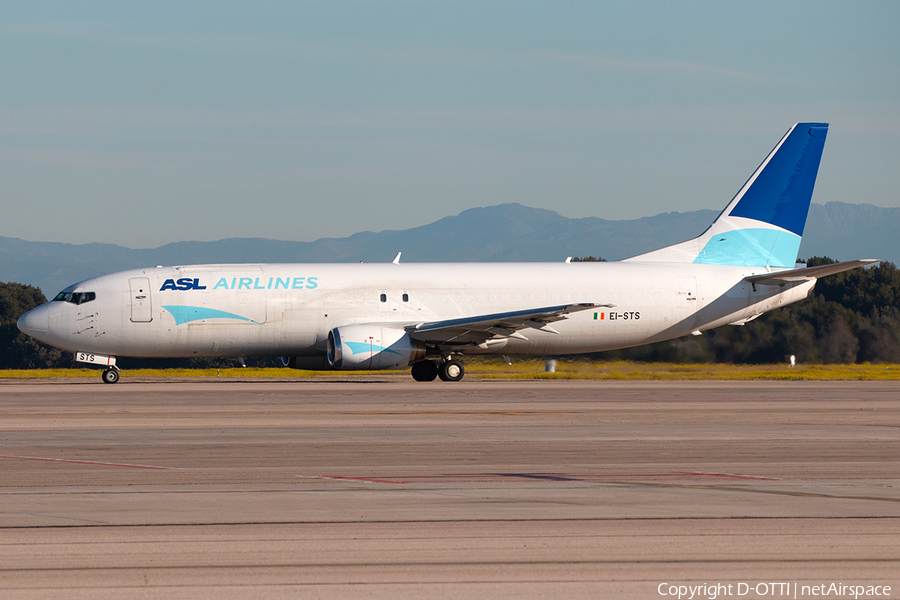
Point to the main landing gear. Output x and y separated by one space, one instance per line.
425 370
448 370
451 370
110 375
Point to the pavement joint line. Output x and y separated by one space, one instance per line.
845 425
756 491
84 462
395 522
343 478
727 475
458 563
517 413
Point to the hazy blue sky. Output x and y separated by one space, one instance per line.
143 123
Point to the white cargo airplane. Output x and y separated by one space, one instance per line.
391 316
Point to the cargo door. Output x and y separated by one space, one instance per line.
141 307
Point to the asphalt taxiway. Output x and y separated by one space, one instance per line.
387 488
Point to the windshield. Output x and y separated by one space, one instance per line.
75 297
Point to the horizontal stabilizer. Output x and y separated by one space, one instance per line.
797 275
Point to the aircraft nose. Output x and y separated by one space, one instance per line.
34 323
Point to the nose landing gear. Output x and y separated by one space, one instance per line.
110 375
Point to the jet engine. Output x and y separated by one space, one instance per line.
371 347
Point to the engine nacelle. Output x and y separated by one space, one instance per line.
371 347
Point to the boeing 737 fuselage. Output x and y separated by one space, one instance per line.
389 316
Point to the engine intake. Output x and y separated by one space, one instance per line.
370 347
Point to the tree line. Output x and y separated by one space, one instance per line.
850 317
17 350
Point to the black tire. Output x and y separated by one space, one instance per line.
451 370
425 370
110 376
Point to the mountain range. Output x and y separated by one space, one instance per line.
502 233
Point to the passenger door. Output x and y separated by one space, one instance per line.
141 302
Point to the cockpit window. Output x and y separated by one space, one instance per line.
75 297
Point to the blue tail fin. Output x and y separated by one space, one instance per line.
763 223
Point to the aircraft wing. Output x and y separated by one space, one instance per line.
479 328
796 275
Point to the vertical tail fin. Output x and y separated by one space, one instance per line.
763 223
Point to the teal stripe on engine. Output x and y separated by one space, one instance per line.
363 347
752 248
